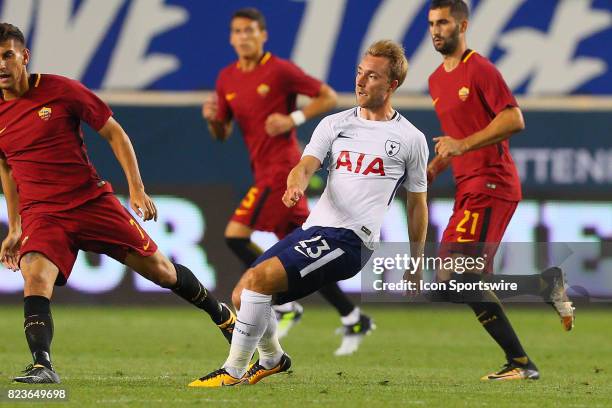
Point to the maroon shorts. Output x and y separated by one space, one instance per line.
262 209
477 226
101 225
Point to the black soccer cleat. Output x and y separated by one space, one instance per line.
513 371
38 374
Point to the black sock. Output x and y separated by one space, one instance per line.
337 298
189 288
38 327
526 285
494 320
246 250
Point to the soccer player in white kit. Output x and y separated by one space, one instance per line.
373 150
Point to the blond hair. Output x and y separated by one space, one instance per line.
394 52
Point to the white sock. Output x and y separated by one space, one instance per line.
269 349
285 307
351 318
251 323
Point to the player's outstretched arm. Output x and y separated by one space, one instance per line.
220 130
505 124
298 179
417 221
122 147
417 232
9 253
325 100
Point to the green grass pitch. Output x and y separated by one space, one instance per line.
418 356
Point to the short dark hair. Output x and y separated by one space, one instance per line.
11 32
458 8
252 14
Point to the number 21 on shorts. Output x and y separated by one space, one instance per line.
469 220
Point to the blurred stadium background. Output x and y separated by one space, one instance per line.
154 61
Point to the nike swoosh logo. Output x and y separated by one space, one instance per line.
435 101
146 246
343 136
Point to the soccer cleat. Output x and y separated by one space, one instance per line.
512 371
556 296
257 372
353 335
38 374
227 327
218 378
287 319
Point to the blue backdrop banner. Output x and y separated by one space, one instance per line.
542 47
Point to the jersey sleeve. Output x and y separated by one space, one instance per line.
416 165
493 88
86 105
224 111
321 141
298 82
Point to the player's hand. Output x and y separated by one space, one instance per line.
416 279
143 206
277 124
210 107
447 146
292 196
9 253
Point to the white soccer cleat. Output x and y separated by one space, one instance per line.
288 315
353 335
557 297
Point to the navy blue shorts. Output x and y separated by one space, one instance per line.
316 257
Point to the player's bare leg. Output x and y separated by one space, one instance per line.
355 324
255 329
238 239
39 275
159 269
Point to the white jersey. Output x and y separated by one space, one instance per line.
369 160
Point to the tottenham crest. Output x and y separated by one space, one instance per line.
44 113
392 148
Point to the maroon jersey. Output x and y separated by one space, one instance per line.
250 97
466 101
42 141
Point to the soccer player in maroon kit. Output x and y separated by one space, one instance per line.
478 113
57 203
259 92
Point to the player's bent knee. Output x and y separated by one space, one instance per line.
236 296
252 279
159 269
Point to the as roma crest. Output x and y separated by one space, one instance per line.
45 113
464 93
392 147
263 89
